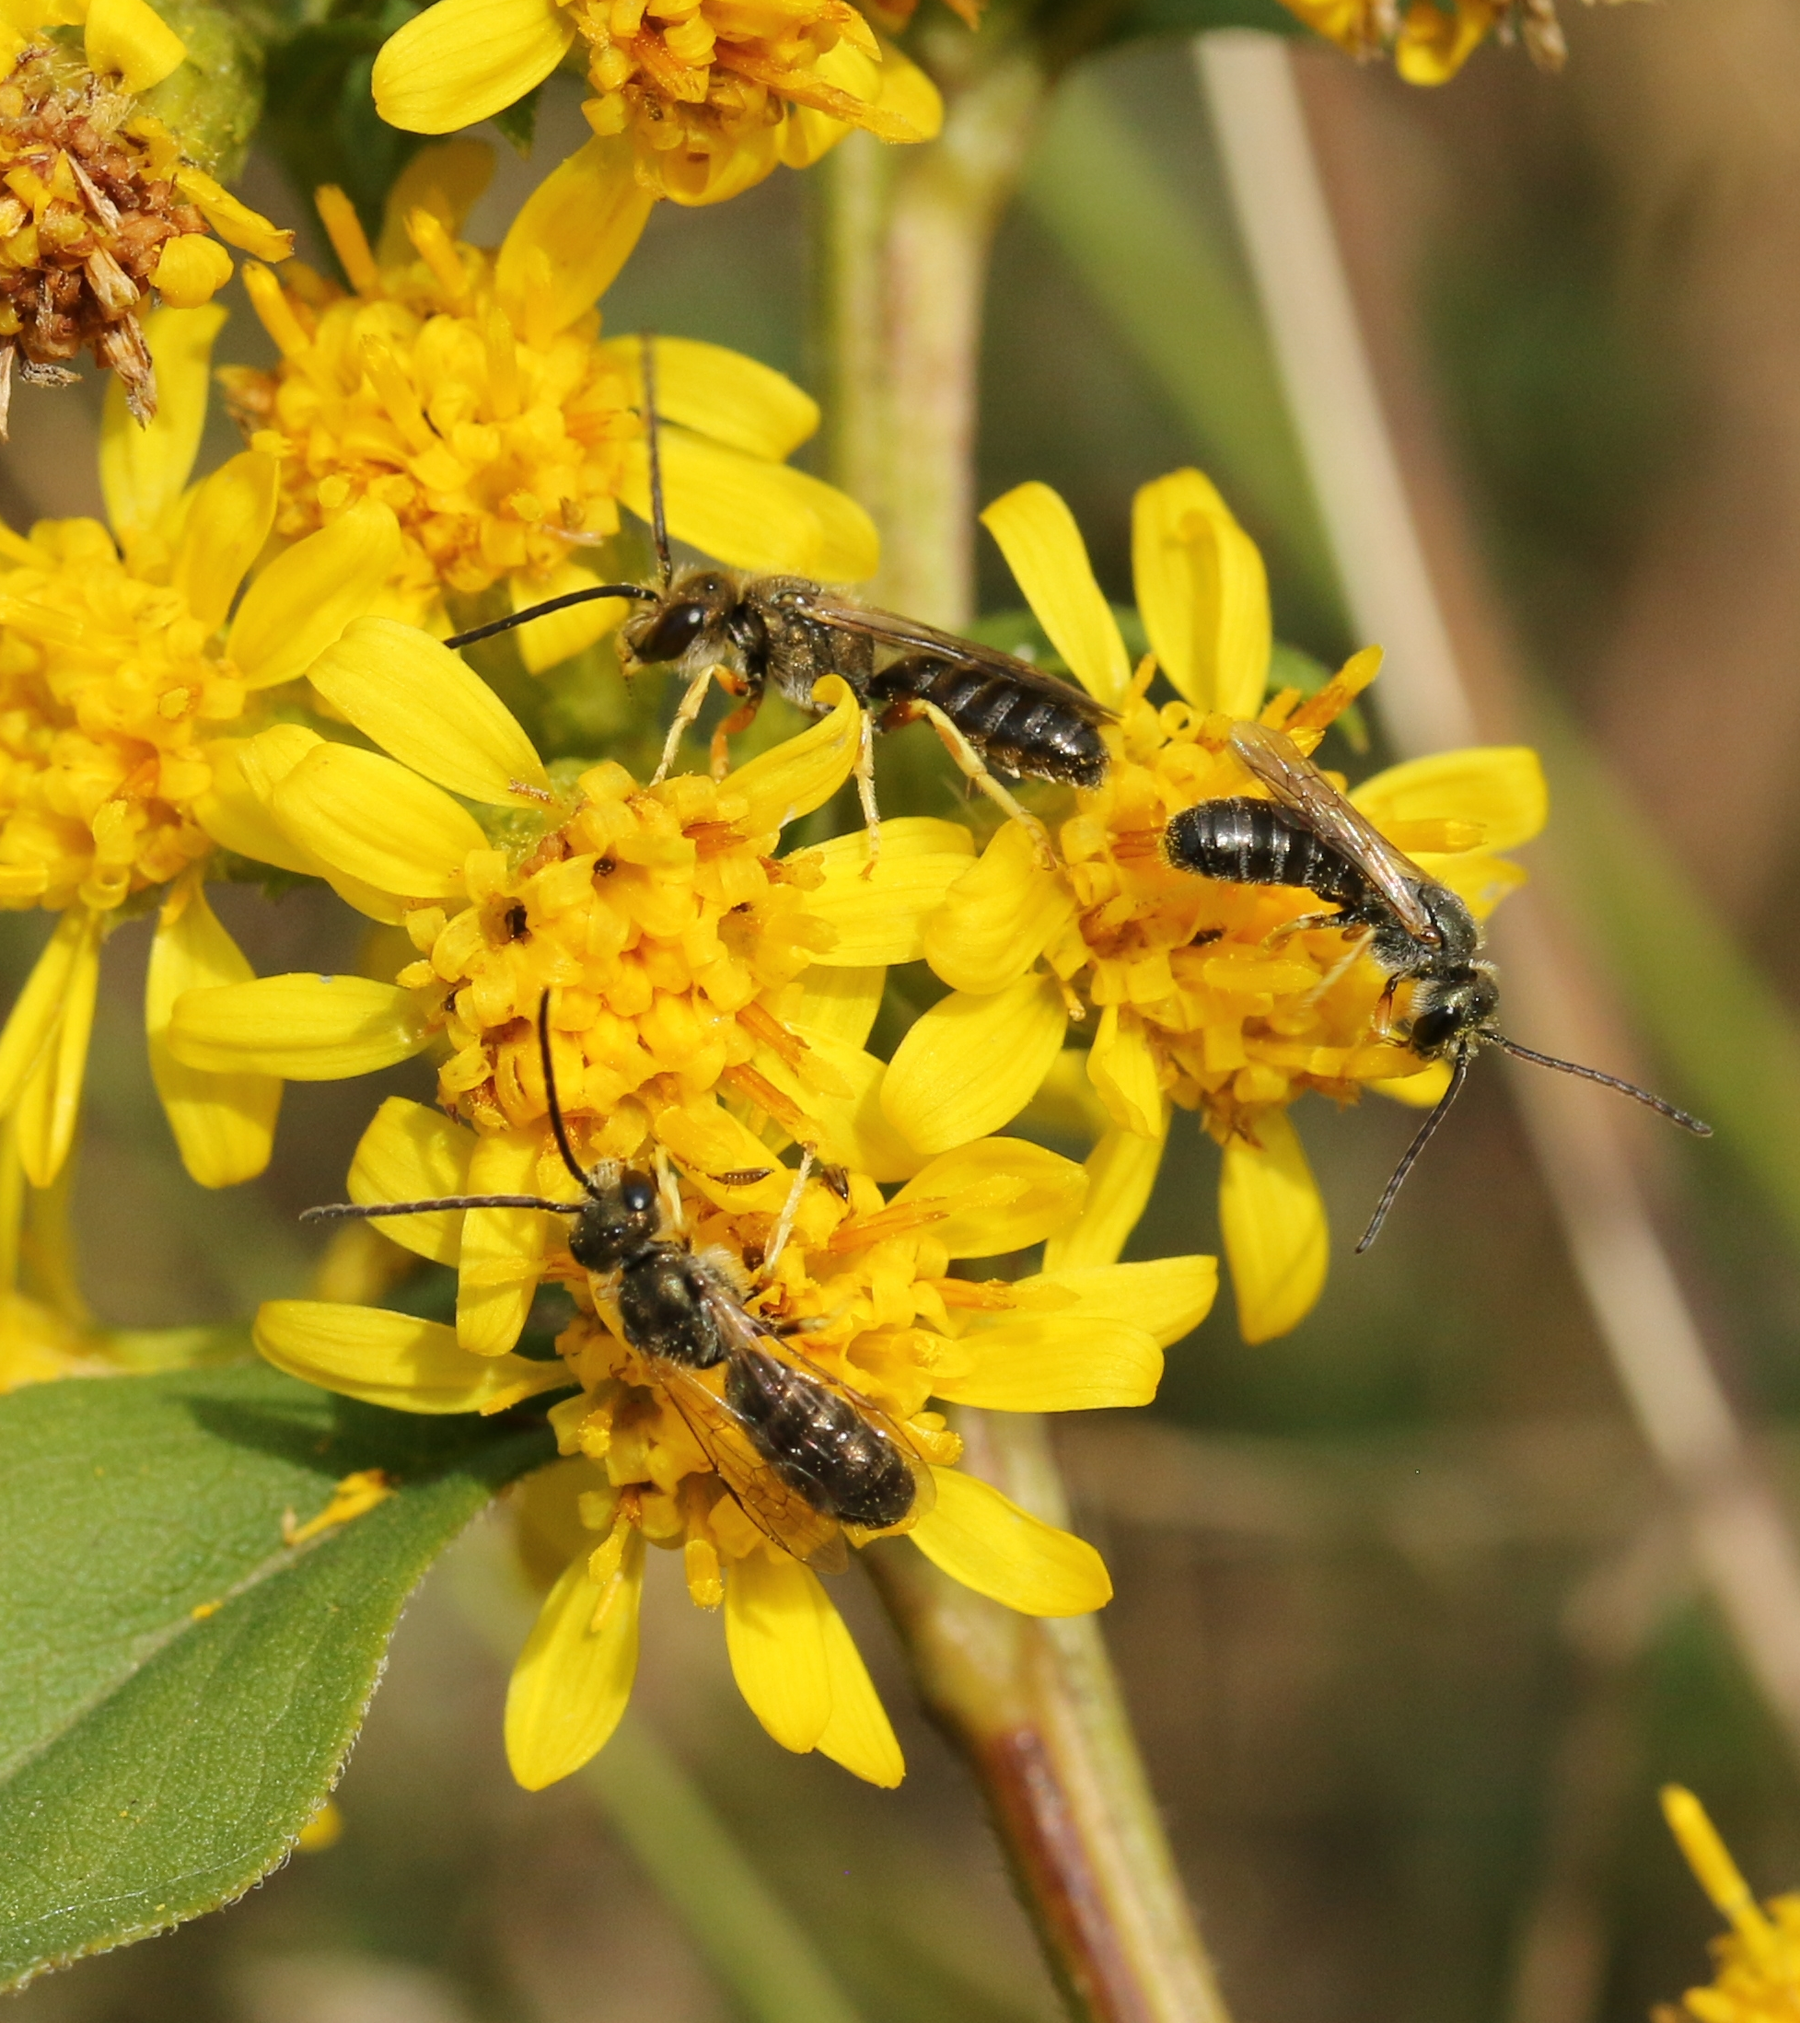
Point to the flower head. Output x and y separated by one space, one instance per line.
706 96
1432 39
1192 994
471 393
1758 1961
99 205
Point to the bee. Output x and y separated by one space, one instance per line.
757 633
802 1454
1416 930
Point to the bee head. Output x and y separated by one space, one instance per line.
1448 1009
689 616
622 1216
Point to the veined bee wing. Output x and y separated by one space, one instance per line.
910 635
1300 787
777 1510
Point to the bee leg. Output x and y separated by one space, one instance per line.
865 791
669 1187
1384 1009
691 705
1360 946
790 1208
740 719
1301 925
974 769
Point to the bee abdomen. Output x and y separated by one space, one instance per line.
820 1444
1021 730
1242 841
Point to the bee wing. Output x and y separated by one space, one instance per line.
888 628
778 1511
1299 786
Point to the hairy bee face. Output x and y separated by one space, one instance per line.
686 628
1450 1007
621 1219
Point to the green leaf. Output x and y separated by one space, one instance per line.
178 1686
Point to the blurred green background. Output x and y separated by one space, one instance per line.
1402 1613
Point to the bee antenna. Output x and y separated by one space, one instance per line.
1409 1158
659 525
357 1211
556 1116
1650 1102
550 604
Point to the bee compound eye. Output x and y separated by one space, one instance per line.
673 632
639 1193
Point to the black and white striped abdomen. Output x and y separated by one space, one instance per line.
1041 730
1242 841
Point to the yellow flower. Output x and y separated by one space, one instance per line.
98 204
1188 991
1758 1976
471 393
868 1281
46 1331
1432 39
118 675
705 96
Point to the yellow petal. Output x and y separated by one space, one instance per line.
1417 1092
1434 44
858 1734
32 1024
303 600
1057 1363
49 1105
1497 788
839 1004
395 1360
1121 1172
979 1537
502 1252
999 917
304 1028
1168 1297
906 93
238 818
378 821
577 228
574 1676
751 513
1202 592
775 1612
425 705
719 393
559 635
131 38
999 1194
224 1125
445 179
143 471
880 919
1273 1223
462 61
410 1153
803 773
852 1129
226 526
1477 877
970 1064
190 270
234 222
1122 1067
1049 561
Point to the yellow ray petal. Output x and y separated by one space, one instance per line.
1168 1297
445 179
225 528
303 600
859 1734
49 1105
576 230
574 1676
1498 788
979 1537
1049 561
304 1028
143 471
1121 1172
32 1024
392 1359
131 38
839 1004
1122 1067
410 1153
852 1130
425 705
803 773
1477 877
1000 1194
1273 1223
1057 1363
233 220
971 1064
502 1253
462 61
719 393
190 270
999 917
1434 44
1417 1092
751 513
880 919
1202 592
559 635
224 1125
775 1614
377 820
234 814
